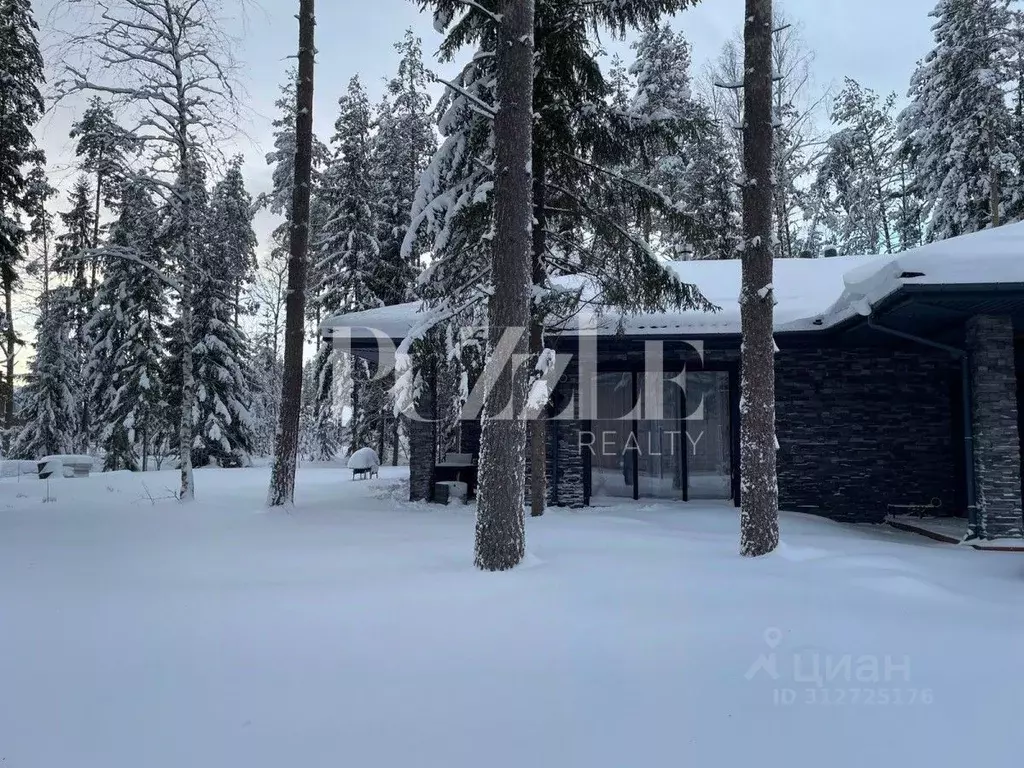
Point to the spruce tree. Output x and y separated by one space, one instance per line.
282 159
581 142
858 179
232 238
695 171
348 254
73 251
958 125
38 192
50 411
221 423
21 106
169 65
401 149
103 148
710 193
126 367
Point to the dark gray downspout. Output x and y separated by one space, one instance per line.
965 374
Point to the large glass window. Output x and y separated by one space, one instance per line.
660 440
680 442
611 460
709 435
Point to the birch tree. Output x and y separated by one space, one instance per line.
167 64
759 523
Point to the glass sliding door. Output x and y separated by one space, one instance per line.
612 440
682 450
709 435
660 440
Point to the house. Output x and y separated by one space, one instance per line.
898 389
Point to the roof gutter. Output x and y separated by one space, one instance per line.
968 426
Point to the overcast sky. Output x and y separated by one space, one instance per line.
877 42
874 41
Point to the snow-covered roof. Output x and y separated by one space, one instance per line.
811 294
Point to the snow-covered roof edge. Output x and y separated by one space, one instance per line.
813 295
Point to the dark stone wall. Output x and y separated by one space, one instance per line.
569 490
469 440
997 457
865 432
423 441
862 433
1020 404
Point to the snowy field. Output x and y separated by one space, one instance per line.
354 632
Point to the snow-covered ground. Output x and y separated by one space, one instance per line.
354 632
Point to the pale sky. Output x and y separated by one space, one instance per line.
874 41
877 42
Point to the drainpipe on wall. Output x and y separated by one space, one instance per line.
968 424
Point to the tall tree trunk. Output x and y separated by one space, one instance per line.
356 436
96 227
396 438
188 384
538 435
500 527
46 270
759 524
282 480
145 444
11 339
995 194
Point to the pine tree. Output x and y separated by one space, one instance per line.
21 106
858 178
796 104
126 368
958 125
500 528
759 518
348 254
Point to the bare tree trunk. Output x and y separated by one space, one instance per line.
282 480
145 445
538 445
11 340
188 384
96 227
500 526
994 192
396 439
759 524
